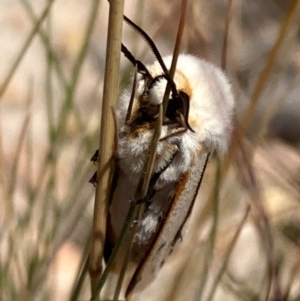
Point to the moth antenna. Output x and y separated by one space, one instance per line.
129 109
183 118
140 66
155 51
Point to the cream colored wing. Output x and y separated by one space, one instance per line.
181 205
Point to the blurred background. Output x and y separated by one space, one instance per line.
51 81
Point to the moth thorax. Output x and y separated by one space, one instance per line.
157 92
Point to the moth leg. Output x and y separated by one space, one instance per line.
94 179
95 157
179 132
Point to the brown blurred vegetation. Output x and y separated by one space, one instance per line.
49 126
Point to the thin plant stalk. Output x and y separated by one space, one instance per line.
24 49
226 35
83 269
227 254
166 95
127 223
58 131
77 68
56 64
265 74
175 52
212 236
106 143
20 145
248 180
143 184
145 178
15 257
293 277
45 39
271 111
141 194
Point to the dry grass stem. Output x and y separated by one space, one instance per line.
24 49
106 143
241 241
269 65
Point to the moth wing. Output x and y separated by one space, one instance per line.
186 190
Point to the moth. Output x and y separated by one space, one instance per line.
197 123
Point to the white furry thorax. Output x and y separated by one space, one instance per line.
210 116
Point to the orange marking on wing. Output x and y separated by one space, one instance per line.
181 185
185 86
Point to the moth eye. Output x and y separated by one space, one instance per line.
176 105
178 110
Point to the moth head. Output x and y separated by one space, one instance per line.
177 110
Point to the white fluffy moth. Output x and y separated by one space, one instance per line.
198 122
